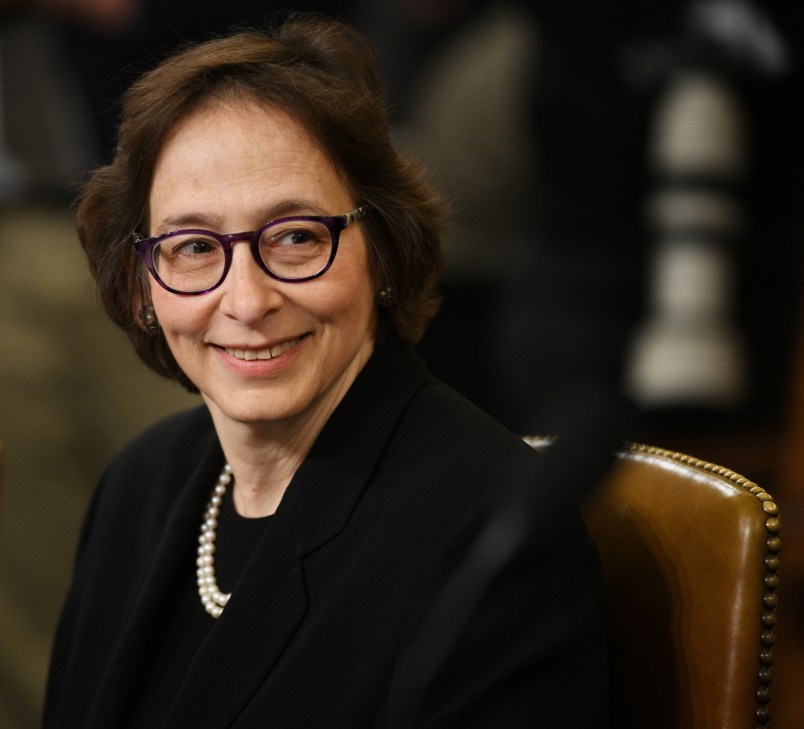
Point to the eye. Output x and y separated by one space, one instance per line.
296 248
295 236
190 247
299 236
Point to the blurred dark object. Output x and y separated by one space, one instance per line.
566 292
589 422
46 138
107 62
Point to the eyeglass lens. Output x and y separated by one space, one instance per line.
292 249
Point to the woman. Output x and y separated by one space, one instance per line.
270 558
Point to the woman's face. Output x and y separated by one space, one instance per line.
228 170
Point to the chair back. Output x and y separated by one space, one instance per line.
690 557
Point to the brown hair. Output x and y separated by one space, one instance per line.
321 73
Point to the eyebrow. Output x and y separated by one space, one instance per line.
198 219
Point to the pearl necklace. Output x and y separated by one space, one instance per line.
212 598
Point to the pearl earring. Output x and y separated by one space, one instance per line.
149 320
385 296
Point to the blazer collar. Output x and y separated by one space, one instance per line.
330 481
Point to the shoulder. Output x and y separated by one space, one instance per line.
447 457
145 478
180 427
177 439
449 429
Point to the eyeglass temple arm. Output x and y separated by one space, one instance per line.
356 214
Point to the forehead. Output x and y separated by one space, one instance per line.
222 125
239 151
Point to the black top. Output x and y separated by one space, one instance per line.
377 519
185 622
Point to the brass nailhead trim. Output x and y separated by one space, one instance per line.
773 544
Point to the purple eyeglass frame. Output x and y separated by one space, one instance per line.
334 224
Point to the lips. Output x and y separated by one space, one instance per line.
262 354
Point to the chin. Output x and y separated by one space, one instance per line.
251 409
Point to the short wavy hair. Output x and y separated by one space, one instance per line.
322 74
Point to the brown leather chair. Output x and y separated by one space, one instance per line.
690 555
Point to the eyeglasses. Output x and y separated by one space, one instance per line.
292 250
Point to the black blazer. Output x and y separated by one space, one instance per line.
375 521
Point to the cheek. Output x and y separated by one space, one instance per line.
347 304
353 294
179 315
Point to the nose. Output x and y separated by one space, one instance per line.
249 294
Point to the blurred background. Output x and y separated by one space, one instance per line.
628 199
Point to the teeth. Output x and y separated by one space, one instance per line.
267 353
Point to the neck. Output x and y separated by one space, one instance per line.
263 465
264 456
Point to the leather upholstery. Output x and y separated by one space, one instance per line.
690 562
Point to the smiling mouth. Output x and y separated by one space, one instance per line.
267 353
